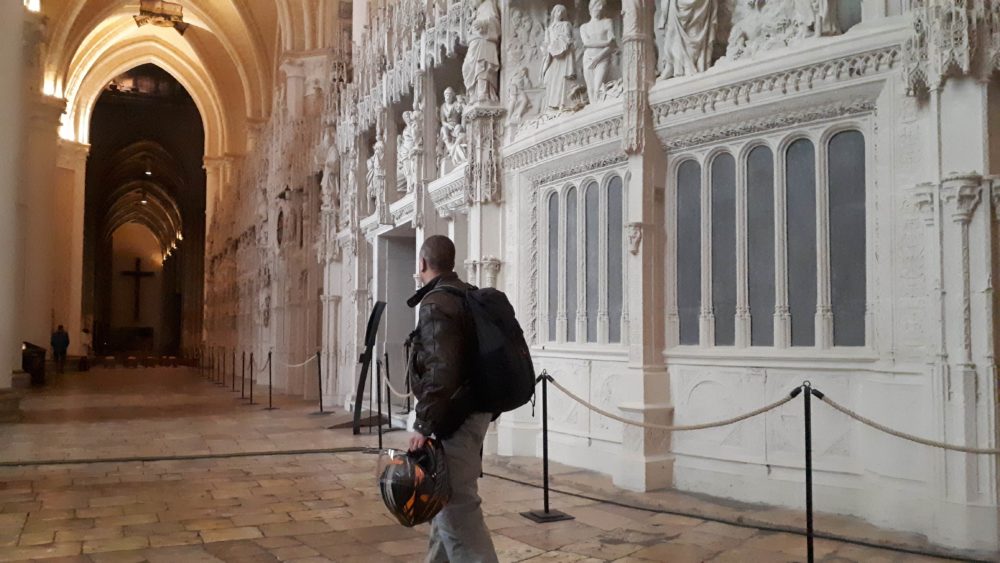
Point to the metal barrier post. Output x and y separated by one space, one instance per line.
545 516
270 383
806 396
319 384
234 370
253 378
222 368
243 375
378 399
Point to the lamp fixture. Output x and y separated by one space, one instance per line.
143 200
162 14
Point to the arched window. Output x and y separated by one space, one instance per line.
846 176
724 248
585 240
571 262
592 281
616 218
553 262
760 245
689 250
800 209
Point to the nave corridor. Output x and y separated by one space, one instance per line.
196 496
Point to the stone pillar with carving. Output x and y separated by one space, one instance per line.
483 190
645 463
949 60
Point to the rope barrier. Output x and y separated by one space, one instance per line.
397 393
265 365
677 428
311 358
869 422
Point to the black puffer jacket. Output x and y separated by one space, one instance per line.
441 351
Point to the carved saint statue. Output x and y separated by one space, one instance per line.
557 69
689 37
481 68
405 159
598 47
452 134
376 169
330 190
518 102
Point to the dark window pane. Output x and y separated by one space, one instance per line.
571 265
616 267
760 245
553 263
800 178
847 237
689 250
724 248
848 14
593 259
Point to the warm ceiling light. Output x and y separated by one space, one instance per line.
180 235
142 199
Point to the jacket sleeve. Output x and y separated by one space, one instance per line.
438 359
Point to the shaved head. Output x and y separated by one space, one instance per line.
438 253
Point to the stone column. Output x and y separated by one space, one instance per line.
37 203
484 191
70 186
645 462
11 31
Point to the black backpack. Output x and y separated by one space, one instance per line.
501 374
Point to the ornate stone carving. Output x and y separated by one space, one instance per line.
406 159
689 36
376 177
950 37
481 68
490 266
552 148
599 46
471 266
485 136
637 68
452 140
672 141
518 102
558 66
794 79
633 233
965 192
773 24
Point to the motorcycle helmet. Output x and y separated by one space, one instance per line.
414 485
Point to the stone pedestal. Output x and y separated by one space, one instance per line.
11 30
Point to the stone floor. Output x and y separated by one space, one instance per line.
311 506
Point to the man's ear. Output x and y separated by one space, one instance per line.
423 265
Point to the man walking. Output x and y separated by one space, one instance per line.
60 343
441 354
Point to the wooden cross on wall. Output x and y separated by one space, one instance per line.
137 275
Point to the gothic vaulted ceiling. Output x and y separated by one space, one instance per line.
226 58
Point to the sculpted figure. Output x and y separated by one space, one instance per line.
598 47
376 168
331 174
518 102
481 68
557 69
452 134
690 36
405 159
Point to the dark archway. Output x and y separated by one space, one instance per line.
145 208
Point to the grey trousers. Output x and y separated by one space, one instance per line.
459 533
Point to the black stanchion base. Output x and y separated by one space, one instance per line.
270 408
250 404
542 517
321 413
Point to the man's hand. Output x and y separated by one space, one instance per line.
417 441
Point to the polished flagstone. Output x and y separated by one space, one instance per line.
309 507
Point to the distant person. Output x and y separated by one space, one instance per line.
60 343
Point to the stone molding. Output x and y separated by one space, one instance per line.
594 133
